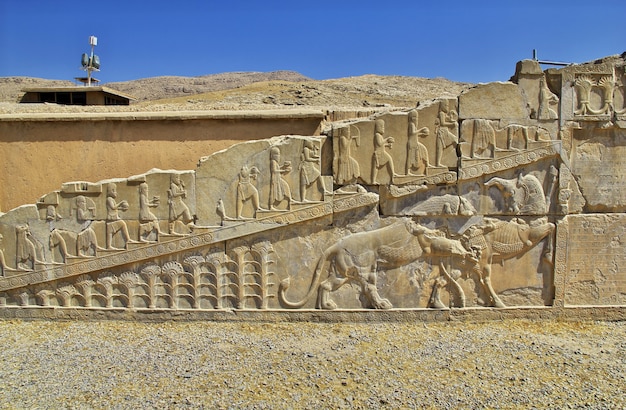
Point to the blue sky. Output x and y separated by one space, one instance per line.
472 41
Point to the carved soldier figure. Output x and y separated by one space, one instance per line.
417 154
381 157
179 211
114 223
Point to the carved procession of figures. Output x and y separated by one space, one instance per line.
454 203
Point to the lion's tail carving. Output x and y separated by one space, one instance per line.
323 261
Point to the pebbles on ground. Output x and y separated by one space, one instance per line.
511 364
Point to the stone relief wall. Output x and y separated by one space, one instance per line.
508 196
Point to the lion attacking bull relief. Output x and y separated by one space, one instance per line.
356 259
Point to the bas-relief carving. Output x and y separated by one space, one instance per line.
278 176
240 277
548 102
446 131
594 95
180 220
361 258
429 209
280 190
347 170
594 92
398 148
417 161
543 102
115 224
88 230
490 147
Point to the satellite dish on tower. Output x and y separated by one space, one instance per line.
90 62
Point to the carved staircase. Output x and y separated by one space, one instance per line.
169 245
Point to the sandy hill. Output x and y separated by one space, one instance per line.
245 90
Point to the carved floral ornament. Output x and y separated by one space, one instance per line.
413 209
604 86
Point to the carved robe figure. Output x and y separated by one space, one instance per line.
3 264
417 154
279 188
546 98
483 140
381 158
446 121
348 168
86 240
309 171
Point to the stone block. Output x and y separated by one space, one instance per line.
494 101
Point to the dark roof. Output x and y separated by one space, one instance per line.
79 88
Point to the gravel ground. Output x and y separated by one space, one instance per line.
509 364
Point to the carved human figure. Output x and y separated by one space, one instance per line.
514 131
84 213
26 256
86 240
348 168
483 139
417 154
279 188
446 124
381 158
309 171
3 264
246 191
179 211
114 223
546 99
148 222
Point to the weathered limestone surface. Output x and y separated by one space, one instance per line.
494 101
510 195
